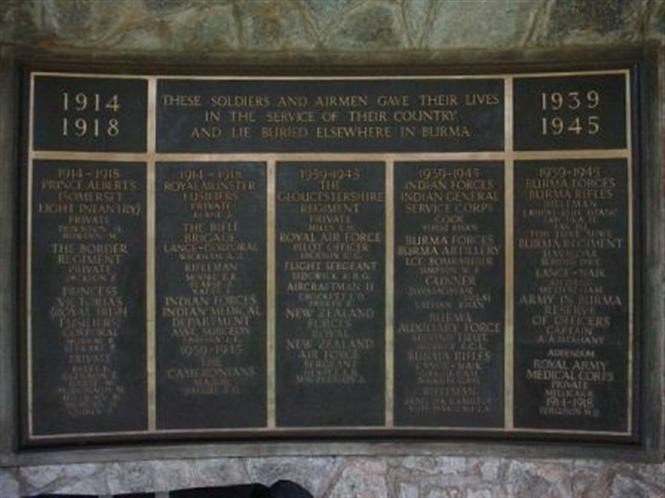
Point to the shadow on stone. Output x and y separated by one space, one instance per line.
281 489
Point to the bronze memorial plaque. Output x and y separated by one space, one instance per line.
260 257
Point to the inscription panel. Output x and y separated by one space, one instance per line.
330 294
90 114
449 300
211 295
329 116
88 298
571 112
571 295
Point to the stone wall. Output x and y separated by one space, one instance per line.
349 31
219 27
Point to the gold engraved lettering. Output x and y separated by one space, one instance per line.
89 311
79 126
450 336
330 276
210 318
229 118
573 306
579 123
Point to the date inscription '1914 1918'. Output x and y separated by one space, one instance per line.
330 256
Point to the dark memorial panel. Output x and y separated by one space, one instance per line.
449 297
330 277
571 295
571 112
382 257
211 295
90 114
329 116
88 297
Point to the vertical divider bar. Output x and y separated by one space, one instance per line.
28 262
151 360
509 295
270 289
631 309
390 292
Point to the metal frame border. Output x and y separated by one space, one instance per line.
648 134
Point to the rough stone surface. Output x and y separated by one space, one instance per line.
361 29
348 477
317 476
359 477
205 26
